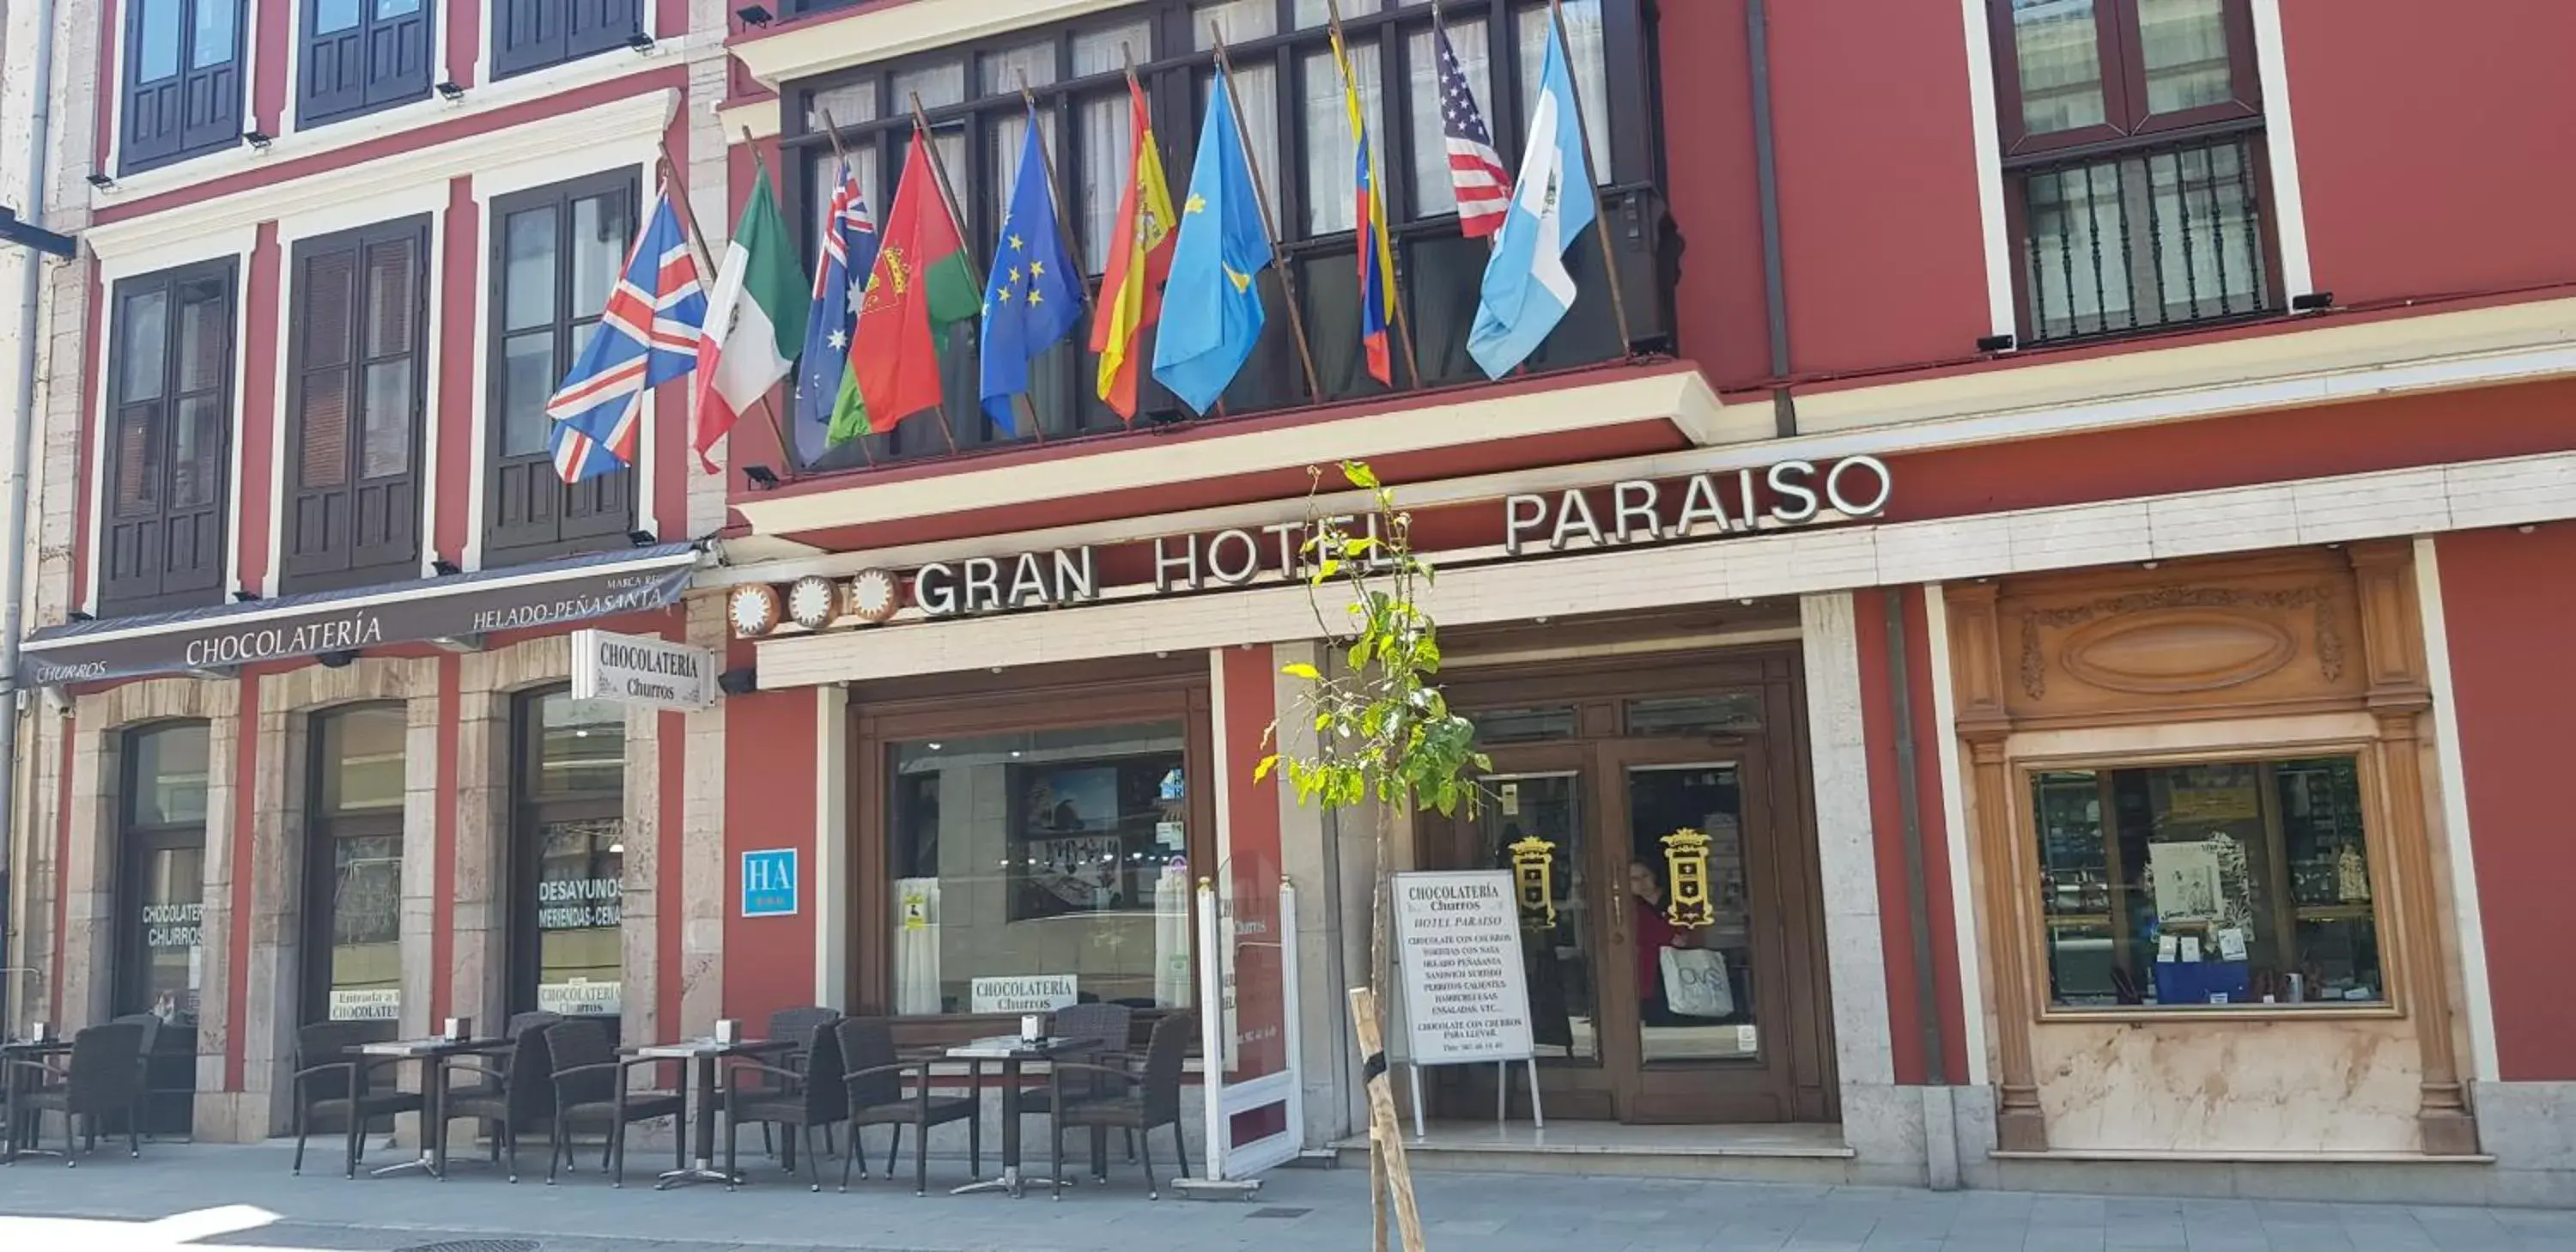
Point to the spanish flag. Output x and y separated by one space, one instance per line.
1131 289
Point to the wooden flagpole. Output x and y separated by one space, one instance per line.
947 200
1377 196
832 131
1269 226
1591 179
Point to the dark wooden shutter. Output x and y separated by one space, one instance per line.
530 512
381 59
353 502
533 34
212 99
162 541
182 80
599 25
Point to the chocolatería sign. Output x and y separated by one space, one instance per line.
1784 495
458 608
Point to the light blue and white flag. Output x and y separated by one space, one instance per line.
1527 289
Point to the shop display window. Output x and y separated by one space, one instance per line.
162 897
2211 884
571 840
355 896
1039 869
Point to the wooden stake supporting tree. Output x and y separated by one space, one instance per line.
1384 733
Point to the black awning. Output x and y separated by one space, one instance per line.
455 607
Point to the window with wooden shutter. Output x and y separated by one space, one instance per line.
182 80
556 252
362 55
170 384
353 511
533 34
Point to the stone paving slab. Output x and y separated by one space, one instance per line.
118 1199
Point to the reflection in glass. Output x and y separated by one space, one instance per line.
2184 45
157 33
1695 984
169 775
1564 983
2059 55
581 745
527 380
1056 858
147 339
2225 883
170 934
602 229
580 906
1732 714
362 758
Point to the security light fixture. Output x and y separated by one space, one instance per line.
445 569
80 616
739 682
753 14
244 595
760 476
450 90
642 538
641 43
258 139
1995 343
102 182
339 659
2312 302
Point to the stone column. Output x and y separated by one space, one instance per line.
1977 671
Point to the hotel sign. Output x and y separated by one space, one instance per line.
1785 495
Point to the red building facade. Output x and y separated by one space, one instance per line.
2108 656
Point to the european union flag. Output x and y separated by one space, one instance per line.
1212 305
1034 295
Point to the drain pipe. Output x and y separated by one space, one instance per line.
1766 177
1939 1125
13 532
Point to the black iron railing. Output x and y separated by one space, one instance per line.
2144 238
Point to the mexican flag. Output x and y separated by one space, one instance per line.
920 285
755 320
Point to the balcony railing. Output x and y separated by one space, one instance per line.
2146 238
1440 273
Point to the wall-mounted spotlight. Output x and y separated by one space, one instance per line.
760 476
642 538
102 182
1995 343
753 15
445 569
339 659
244 595
450 90
640 43
2312 302
258 139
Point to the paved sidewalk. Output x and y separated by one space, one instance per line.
174 1197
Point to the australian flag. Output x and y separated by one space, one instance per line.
849 255
647 336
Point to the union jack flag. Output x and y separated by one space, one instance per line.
1484 187
647 336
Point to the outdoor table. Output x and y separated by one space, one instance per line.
1012 1051
22 1138
703 1054
432 1054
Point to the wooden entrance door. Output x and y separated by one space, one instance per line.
1638 1019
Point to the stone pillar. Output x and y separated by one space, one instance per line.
1976 671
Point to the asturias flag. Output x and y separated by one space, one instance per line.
919 282
647 336
755 323
1377 253
849 237
1213 299
1527 289
1131 289
1034 295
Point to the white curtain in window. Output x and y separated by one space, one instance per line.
1331 153
1583 50
1433 194
999 73
1010 134
1320 12
1109 48
1256 87
1106 140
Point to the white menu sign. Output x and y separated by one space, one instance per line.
1458 946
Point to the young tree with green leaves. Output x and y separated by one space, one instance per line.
1384 734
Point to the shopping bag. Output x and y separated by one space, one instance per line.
1695 983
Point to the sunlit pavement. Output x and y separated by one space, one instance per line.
242 1198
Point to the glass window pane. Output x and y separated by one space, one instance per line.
937 85
1107 49
2184 45
1048 866
205 335
580 903
1501 726
2057 51
396 8
1590 68
217 22
1237 20
197 459
1002 159
1542 816
1433 191
169 775
157 32
581 745
1694 981
1695 715
1108 142
324 427
846 105
1332 197
146 345
2228 883
1256 92
333 16
366 928
603 228
527 381
392 299
1320 12
138 461
1001 73
170 915
528 269
384 442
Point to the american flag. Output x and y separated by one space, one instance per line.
647 336
1484 187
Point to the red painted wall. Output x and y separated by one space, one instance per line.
769 803
460 405
255 355
2409 200
2506 599
1708 179
1906 995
